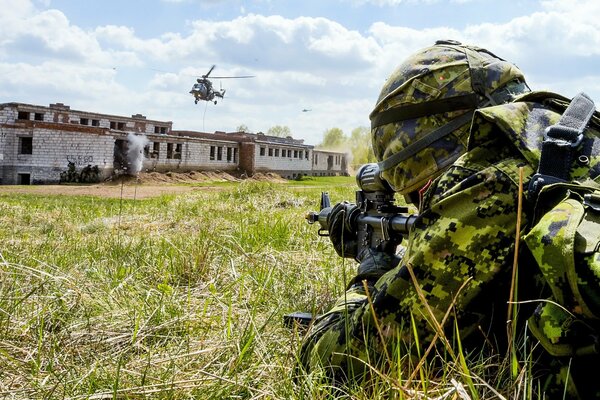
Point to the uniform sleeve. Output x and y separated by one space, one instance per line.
465 236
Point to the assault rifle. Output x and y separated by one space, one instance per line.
377 218
376 221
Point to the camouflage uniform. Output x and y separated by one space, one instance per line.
461 248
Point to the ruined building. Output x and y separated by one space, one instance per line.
45 144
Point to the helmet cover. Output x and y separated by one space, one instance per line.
421 122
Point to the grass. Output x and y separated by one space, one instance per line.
178 296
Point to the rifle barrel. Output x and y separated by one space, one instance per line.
400 223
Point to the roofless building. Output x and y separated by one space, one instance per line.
39 145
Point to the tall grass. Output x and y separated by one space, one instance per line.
179 296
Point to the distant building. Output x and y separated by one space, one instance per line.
40 144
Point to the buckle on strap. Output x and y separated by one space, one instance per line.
563 135
538 181
592 200
560 143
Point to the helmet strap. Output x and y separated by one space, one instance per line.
418 110
425 141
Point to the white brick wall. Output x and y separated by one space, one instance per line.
273 158
320 161
195 154
8 115
52 150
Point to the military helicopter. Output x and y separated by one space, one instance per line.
203 89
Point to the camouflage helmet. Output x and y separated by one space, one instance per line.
422 118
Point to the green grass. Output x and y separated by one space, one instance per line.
177 297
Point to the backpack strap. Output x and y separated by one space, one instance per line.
561 140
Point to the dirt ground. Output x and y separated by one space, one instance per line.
143 186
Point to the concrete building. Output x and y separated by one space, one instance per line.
44 144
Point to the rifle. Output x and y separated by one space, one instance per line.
377 218
376 221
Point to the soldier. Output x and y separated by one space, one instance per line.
456 130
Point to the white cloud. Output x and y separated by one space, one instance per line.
280 43
561 41
392 3
32 34
301 62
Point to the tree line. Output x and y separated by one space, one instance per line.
357 145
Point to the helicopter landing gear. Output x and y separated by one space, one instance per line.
195 101
215 102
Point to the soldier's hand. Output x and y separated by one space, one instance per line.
341 234
373 264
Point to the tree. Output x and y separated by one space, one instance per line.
279 130
242 128
360 145
333 138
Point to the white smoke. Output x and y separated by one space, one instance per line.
135 152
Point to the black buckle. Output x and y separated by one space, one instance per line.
592 200
538 181
563 135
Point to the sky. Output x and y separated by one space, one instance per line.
331 57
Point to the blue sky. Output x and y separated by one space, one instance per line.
134 56
356 15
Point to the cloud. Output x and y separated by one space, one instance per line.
393 3
34 35
282 44
58 79
561 41
302 62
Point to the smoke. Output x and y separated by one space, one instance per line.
135 152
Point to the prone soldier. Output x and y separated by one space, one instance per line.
459 134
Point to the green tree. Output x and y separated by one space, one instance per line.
333 139
360 146
279 130
242 128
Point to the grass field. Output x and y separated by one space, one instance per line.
176 296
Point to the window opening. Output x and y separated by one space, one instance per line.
26 145
24 179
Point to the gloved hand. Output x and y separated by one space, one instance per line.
342 236
373 264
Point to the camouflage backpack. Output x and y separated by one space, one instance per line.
565 235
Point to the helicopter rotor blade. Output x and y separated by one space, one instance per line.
233 77
209 71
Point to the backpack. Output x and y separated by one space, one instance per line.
565 236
